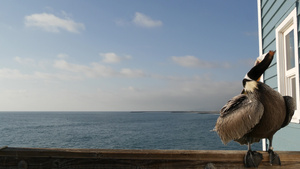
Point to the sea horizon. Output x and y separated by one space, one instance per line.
129 111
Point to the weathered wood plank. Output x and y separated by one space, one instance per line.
36 158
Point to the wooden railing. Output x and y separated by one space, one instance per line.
46 158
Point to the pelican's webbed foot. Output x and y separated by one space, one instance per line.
252 159
274 157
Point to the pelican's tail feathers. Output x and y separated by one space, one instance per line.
290 105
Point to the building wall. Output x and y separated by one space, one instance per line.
273 12
287 139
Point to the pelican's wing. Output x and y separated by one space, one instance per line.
238 117
290 108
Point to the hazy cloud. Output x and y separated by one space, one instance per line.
113 58
59 76
97 70
15 74
25 61
194 62
29 62
145 21
93 70
52 23
193 94
110 57
62 56
7 73
132 73
191 61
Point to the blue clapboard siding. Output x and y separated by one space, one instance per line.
270 77
287 138
273 12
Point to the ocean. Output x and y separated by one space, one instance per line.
113 130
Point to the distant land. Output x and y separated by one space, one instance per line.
199 112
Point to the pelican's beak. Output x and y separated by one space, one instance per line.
258 79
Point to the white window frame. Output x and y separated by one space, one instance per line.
288 24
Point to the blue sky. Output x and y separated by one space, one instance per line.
103 55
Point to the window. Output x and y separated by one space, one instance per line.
287 60
290 69
290 50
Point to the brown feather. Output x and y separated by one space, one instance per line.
290 108
238 117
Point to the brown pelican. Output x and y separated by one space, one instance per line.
258 112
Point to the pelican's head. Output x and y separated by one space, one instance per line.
260 66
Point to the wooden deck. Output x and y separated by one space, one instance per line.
41 158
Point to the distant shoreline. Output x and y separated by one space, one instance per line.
198 112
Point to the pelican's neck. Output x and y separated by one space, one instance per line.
250 86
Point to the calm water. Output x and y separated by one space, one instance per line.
112 130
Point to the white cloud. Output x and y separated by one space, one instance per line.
6 73
32 63
52 76
113 58
145 21
64 65
100 70
24 61
132 73
97 70
52 23
15 74
110 57
192 61
90 71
